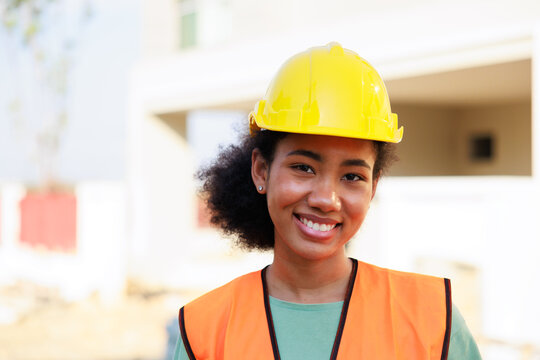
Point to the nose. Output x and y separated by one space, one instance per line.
324 196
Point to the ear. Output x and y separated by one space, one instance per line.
374 185
259 171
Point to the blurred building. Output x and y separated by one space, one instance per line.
463 202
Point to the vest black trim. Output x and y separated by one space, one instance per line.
183 333
344 311
448 332
342 318
268 312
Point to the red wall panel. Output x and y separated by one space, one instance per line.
49 221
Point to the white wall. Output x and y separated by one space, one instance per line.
160 27
92 144
163 215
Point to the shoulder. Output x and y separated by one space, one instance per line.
462 343
224 294
410 308
401 280
426 299
404 275
209 316
219 300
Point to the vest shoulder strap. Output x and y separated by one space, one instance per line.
404 316
221 323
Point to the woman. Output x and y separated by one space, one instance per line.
301 184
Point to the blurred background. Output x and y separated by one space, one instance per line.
107 108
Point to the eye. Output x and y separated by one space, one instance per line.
304 168
352 177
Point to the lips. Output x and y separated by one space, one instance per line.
317 224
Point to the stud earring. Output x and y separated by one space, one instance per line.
260 188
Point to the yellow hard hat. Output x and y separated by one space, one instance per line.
327 90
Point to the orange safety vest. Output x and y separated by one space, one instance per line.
386 315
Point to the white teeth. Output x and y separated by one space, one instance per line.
317 226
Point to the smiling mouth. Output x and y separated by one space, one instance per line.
316 226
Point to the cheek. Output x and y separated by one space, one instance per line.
357 206
282 197
283 190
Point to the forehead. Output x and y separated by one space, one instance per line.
328 146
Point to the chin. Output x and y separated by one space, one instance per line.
318 252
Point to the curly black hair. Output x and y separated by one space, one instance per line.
230 195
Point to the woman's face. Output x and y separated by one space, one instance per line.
318 190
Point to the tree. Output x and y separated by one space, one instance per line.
41 38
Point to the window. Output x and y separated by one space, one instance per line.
481 147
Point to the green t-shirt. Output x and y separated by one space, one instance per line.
307 331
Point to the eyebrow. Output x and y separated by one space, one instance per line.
307 153
356 162
317 157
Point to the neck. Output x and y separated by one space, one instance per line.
309 281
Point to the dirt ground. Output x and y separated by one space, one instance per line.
47 328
